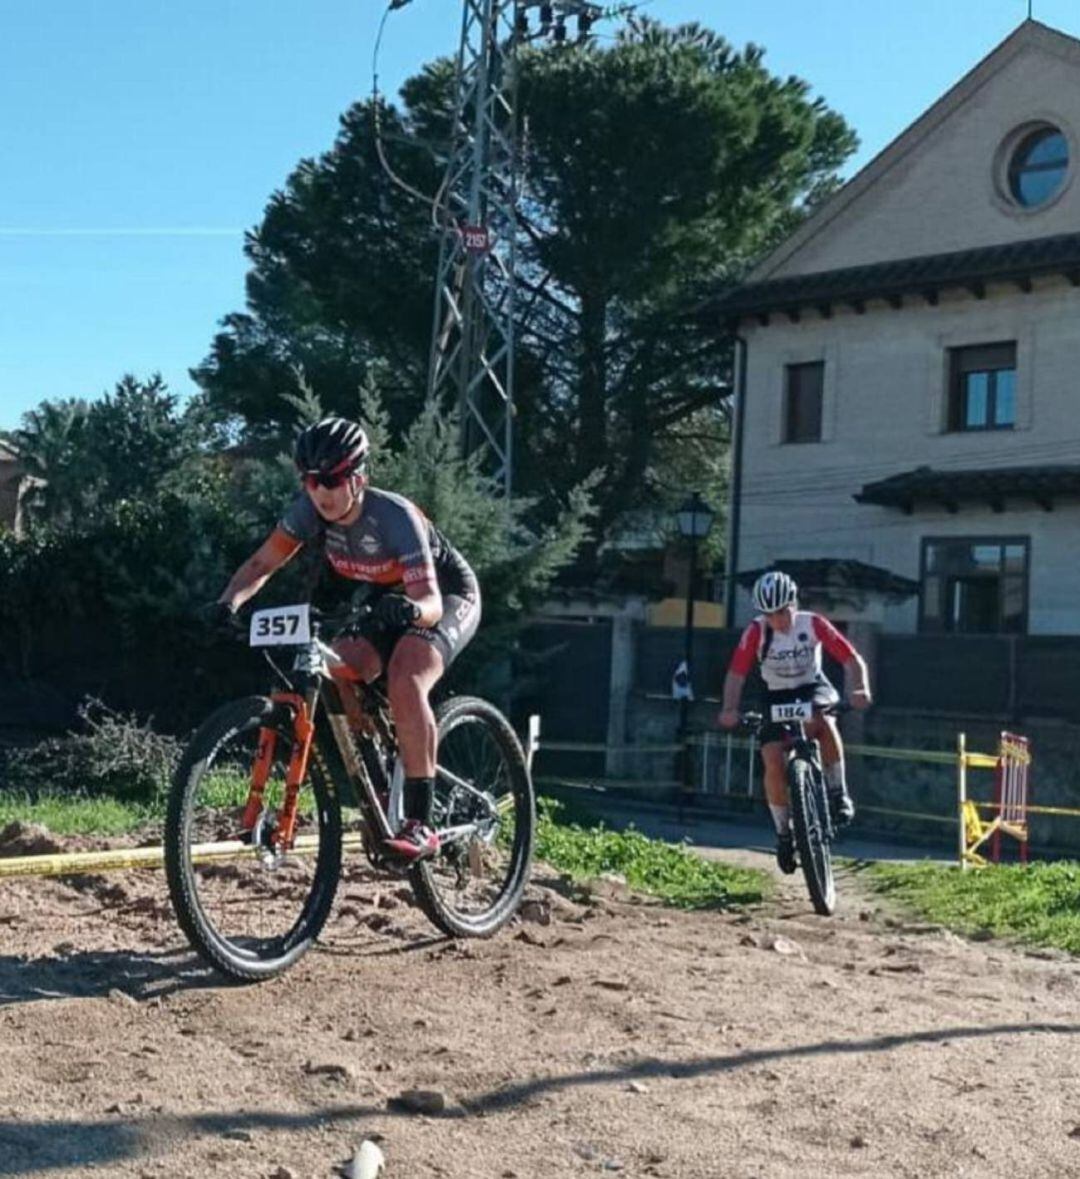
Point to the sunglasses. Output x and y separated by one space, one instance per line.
329 480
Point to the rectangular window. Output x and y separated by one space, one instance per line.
802 401
982 387
974 586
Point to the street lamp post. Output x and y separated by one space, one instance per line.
694 519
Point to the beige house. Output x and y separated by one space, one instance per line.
909 367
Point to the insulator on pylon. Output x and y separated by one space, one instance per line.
546 14
584 24
560 31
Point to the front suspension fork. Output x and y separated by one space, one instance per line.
303 714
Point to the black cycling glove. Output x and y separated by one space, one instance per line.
396 610
217 616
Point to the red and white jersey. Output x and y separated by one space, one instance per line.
793 658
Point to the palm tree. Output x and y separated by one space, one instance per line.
48 442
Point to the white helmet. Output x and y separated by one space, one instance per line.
773 591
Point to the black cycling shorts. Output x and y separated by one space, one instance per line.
449 636
821 694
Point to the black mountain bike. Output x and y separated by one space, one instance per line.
272 788
811 820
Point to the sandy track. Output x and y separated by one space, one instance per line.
623 1038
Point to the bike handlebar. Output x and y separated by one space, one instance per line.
758 719
339 620
235 626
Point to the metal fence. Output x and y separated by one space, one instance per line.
727 768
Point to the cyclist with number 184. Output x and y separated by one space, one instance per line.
787 644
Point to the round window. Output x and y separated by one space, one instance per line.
1037 167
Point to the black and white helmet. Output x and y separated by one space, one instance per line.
773 591
333 447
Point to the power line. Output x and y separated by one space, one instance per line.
376 107
473 339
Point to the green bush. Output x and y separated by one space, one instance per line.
116 756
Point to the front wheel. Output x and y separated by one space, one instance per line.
248 909
483 798
810 821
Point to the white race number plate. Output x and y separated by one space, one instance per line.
801 710
280 626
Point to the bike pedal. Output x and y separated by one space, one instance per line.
390 864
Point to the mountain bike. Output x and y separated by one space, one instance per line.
271 789
811 819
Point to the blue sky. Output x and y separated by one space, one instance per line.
141 137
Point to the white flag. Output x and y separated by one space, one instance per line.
681 688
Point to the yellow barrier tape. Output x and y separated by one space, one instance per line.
599 747
1033 810
925 815
127 858
609 783
973 825
634 784
73 863
937 757
941 757
928 756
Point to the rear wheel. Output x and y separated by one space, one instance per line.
810 822
248 910
482 789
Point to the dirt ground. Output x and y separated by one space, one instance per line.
620 1038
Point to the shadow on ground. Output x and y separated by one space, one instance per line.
27 1148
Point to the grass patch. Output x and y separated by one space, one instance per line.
666 870
1038 904
73 814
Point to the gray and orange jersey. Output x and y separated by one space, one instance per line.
391 543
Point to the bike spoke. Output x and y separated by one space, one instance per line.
476 800
811 829
253 897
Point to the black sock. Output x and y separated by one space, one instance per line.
417 799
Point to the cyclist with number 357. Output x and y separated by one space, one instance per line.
426 611
787 645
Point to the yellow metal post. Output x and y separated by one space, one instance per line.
961 793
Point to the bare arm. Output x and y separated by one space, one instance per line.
729 709
857 681
278 548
